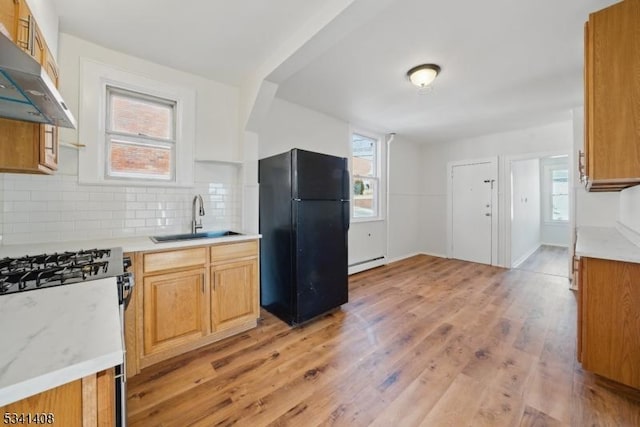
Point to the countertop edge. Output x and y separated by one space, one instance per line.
128 244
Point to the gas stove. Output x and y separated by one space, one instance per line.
47 270
29 273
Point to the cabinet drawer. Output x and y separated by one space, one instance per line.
174 259
234 251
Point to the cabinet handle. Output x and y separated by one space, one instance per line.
202 282
49 131
581 168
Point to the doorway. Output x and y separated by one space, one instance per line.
473 215
539 214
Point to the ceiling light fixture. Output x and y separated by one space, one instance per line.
423 75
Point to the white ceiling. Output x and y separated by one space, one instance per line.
505 64
222 40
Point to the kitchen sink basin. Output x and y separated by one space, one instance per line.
193 236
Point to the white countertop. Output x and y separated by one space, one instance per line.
128 244
56 335
606 243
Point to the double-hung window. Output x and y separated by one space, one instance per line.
365 164
140 132
555 190
559 194
136 130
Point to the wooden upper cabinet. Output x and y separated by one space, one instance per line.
25 28
612 97
29 147
39 50
51 67
9 17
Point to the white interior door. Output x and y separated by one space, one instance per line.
471 211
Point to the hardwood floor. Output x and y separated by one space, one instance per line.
423 342
552 260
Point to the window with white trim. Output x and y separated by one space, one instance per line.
365 176
140 136
136 130
555 190
559 178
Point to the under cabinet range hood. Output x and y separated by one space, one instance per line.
26 91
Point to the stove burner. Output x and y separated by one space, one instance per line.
34 272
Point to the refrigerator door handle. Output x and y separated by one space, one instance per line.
346 214
346 180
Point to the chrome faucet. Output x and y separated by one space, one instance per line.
196 224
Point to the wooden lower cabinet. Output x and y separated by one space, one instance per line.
609 319
234 294
173 309
87 402
187 298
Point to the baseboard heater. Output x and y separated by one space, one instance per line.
366 261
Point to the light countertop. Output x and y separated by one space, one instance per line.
128 244
606 243
56 335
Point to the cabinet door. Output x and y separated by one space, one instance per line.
234 294
612 96
39 51
9 18
24 28
49 147
64 403
173 310
610 310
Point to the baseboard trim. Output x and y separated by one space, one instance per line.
557 245
402 257
524 257
359 267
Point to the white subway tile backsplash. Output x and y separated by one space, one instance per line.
37 209
133 223
75 195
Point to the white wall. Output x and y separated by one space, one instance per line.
46 16
406 194
525 198
592 209
547 138
290 126
217 108
630 208
53 208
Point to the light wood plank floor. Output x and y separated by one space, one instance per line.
422 342
552 260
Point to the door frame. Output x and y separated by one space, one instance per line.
506 179
495 208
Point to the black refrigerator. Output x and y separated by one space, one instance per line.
304 220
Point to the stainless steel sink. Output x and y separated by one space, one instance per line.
193 236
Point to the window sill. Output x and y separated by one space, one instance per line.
134 183
555 223
361 220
